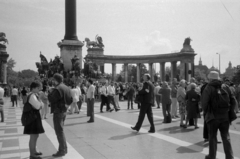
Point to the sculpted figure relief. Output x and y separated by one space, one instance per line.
98 43
3 39
187 41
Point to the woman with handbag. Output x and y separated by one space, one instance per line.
181 93
35 127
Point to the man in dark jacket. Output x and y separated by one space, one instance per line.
130 95
147 101
216 117
59 97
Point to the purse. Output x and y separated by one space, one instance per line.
28 114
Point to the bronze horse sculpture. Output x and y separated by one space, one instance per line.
3 38
98 43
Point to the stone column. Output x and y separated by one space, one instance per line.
70 20
162 68
193 69
150 65
173 70
114 72
102 68
186 71
138 72
126 72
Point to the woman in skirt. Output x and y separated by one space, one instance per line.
35 128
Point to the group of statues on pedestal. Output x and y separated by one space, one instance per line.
3 40
48 69
98 43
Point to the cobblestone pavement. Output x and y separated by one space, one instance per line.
110 137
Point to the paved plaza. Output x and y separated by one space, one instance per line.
110 137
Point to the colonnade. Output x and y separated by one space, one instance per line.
187 71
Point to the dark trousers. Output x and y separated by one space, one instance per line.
111 100
58 122
205 129
223 127
2 115
14 99
130 100
166 108
146 108
79 103
90 108
104 101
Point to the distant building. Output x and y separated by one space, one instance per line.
200 71
230 70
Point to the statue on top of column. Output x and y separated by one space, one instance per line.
186 45
98 43
3 39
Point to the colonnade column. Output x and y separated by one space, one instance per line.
114 71
138 72
173 70
151 71
126 72
162 71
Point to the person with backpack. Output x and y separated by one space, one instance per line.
218 104
59 98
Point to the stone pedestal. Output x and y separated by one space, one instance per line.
95 52
3 65
70 48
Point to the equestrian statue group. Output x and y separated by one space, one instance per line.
3 40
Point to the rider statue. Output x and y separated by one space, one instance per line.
3 40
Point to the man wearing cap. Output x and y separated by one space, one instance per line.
217 118
147 96
59 98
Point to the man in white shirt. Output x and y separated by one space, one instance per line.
79 103
110 96
14 96
90 100
104 98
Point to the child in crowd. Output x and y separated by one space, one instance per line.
1 104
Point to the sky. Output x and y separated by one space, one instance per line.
127 27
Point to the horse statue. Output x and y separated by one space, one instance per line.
44 62
3 39
98 43
187 41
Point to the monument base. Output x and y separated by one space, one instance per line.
3 66
70 48
95 52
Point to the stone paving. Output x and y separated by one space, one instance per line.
110 137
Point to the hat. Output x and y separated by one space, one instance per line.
213 75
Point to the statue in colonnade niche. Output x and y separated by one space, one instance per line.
98 43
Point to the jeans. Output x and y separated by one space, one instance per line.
90 105
223 127
166 108
130 100
58 121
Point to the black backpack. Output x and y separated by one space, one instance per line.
221 100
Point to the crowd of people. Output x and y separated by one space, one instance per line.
184 100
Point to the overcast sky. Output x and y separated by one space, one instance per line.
128 27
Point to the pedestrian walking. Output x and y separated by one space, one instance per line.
35 128
14 96
24 95
147 96
157 95
90 100
181 93
59 98
174 89
1 104
165 91
110 96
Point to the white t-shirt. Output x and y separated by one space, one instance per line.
90 91
14 91
75 94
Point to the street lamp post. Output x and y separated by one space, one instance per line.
219 62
